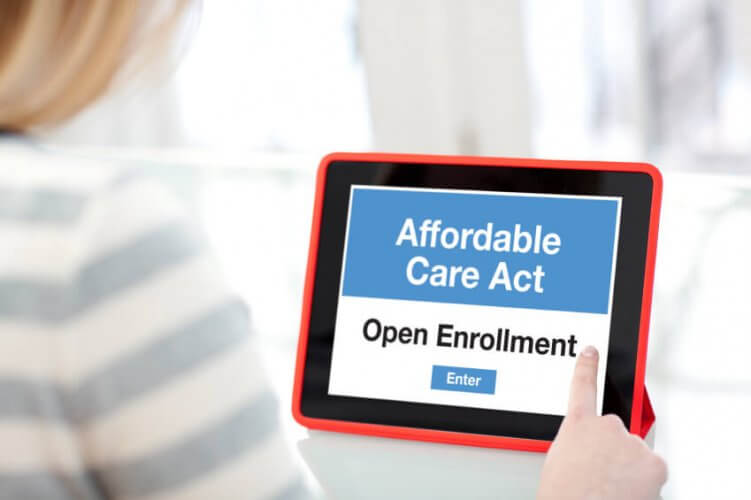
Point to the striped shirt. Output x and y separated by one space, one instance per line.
126 369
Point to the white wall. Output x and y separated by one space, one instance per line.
446 76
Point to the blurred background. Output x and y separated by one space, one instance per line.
262 88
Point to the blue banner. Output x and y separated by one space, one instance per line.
498 249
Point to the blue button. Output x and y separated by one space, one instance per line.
455 378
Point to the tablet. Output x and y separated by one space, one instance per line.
447 298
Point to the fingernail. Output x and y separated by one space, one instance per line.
589 352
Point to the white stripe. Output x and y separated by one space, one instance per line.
37 251
258 473
139 315
126 213
31 445
176 410
28 351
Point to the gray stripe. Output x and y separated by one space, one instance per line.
130 376
197 455
102 278
137 373
296 490
41 205
31 398
49 486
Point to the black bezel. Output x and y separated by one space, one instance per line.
635 189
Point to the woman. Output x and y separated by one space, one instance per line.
126 367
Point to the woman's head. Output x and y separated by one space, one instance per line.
57 56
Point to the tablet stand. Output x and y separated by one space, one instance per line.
647 415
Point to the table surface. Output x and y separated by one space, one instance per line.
405 469
358 467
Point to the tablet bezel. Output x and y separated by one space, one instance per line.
639 185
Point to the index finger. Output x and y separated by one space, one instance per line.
583 396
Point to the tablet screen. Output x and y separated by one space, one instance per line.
478 299
455 297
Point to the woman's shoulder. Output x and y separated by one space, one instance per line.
60 211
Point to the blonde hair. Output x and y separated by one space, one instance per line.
57 56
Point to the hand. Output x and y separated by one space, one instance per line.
595 457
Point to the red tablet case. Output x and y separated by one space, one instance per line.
642 414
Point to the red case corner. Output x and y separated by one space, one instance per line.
647 416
